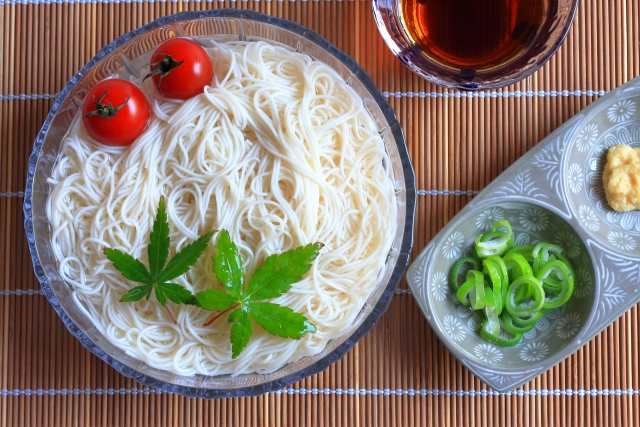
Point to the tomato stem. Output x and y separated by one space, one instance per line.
105 111
163 67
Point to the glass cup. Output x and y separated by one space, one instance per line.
394 27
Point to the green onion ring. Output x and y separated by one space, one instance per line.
525 250
491 311
541 253
495 242
516 328
455 270
533 300
529 320
562 272
497 272
471 293
562 258
487 334
516 261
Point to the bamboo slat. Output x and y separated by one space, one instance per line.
456 143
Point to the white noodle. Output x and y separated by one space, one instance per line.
281 153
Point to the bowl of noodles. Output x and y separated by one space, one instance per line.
292 143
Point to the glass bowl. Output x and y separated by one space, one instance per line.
224 24
554 28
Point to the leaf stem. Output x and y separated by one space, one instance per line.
171 314
221 313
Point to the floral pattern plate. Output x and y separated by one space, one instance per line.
554 193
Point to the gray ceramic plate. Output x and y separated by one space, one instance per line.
554 193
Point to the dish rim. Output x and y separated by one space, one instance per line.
376 311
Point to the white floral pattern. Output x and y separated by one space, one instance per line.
521 239
522 185
475 321
589 218
621 111
464 311
568 326
488 353
439 286
569 243
542 324
575 178
586 137
453 245
554 314
583 284
453 327
622 241
533 219
534 351
627 220
486 219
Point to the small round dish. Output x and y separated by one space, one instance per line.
459 326
553 30
224 24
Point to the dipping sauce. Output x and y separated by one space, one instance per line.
474 35
621 178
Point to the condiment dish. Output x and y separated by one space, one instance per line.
553 193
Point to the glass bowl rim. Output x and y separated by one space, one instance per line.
398 269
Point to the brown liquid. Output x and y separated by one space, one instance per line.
473 34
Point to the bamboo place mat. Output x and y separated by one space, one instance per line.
399 374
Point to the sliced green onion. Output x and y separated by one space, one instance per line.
564 274
480 297
517 265
471 293
531 303
525 250
551 285
491 311
517 284
528 320
516 328
541 253
562 258
495 242
499 338
497 272
455 270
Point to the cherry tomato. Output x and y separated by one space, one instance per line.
115 112
180 68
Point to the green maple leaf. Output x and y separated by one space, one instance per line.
270 280
160 272
240 331
279 320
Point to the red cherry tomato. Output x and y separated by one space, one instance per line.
180 68
115 112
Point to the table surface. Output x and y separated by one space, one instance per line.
399 374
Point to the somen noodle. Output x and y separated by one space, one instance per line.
280 152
